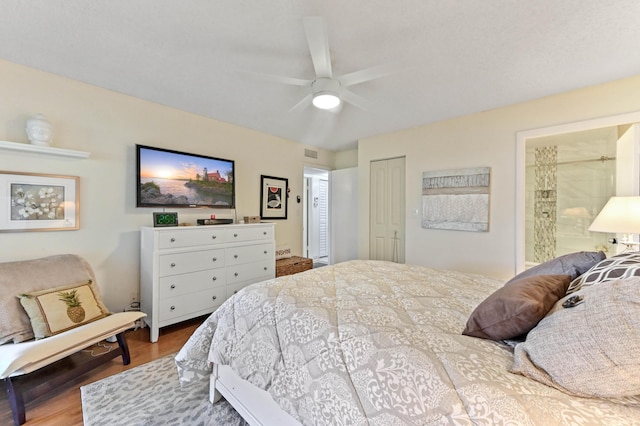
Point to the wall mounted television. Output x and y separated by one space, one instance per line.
167 178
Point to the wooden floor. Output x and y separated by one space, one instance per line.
64 407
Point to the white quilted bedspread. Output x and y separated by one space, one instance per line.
378 343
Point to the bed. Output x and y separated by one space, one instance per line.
379 343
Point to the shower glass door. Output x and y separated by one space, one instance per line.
568 178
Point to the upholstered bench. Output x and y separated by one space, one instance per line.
66 315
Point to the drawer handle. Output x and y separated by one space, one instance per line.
213 237
235 291
236 274
173 308
214 259
173 265
173 286
214 278
214 297
264 233
235 256
265 268
265 252
173 240
235 235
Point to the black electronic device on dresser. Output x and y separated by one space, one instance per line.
215 221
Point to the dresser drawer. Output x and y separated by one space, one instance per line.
176 307
184 271
249 234
199 260
246 254
234 288
250 271
177 285
191 237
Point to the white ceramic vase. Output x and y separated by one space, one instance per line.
39 130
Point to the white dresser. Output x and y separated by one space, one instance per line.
189 271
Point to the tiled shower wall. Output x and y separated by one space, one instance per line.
545 203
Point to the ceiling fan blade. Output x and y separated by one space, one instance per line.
279 79
353 99
304 102
367 74
318 41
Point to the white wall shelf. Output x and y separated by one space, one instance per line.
48 150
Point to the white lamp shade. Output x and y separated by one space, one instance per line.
619 215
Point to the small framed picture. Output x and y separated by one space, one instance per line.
39 202
274 193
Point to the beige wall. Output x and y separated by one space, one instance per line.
108 125
484 139
346 159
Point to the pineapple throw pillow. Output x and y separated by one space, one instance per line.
59 309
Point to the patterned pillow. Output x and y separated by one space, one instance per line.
590 349
31 275
622 265
59 309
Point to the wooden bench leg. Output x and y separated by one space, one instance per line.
17 396
122 343
16 400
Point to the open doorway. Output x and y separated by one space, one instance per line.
316 244
598 157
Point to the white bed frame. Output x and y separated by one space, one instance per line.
255 405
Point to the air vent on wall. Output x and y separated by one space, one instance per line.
310 153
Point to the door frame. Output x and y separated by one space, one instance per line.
521 148
308 172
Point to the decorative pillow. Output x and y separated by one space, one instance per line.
30 275
513 310
59 309
283 252
622 265
573 264
590 349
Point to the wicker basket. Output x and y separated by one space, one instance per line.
292 265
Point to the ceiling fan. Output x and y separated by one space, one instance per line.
326 90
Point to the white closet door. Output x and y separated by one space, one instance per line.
387 213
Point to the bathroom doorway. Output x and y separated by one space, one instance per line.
569 178
316 244
579 166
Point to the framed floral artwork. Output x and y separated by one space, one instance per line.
274 194
38 202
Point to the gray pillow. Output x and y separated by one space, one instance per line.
513 310
574 264
590 349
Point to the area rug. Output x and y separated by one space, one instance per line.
151 395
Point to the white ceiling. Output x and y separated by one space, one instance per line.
454 57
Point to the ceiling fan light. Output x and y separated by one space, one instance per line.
326 100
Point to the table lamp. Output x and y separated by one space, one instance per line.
621 215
